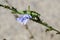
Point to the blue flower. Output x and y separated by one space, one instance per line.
24 18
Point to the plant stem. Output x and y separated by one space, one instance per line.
31 37
46 25
10 8
38 19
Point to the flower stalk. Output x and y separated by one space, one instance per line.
27 28
50 28
35 17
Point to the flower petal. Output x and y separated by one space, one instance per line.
24 19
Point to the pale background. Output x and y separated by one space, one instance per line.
12 30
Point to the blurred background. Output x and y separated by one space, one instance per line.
10 29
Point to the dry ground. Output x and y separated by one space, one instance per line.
12 30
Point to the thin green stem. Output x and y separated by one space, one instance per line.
38 20
46 25
10 8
